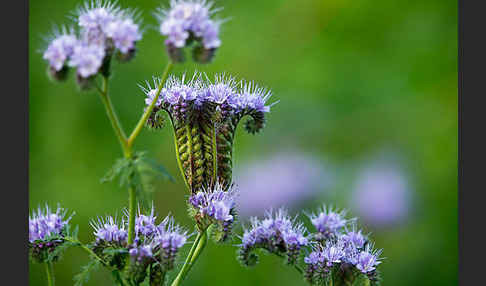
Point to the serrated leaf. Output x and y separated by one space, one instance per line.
149 165
83 277
59 250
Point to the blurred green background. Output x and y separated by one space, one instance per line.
353 77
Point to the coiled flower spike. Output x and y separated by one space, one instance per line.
204 116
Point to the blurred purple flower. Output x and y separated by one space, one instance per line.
283 179
381 196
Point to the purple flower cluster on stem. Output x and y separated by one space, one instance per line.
328 223
276 233
187 100
215 206
187 21
47 230
104 29
154 243
339 249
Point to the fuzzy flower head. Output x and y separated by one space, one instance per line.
333 253
355 238
214 203
197 97
124 34
368 259
87 59
103 29
47 229
329 222
108 230
60 49
142 252
186 21
94 18
145 224
169 238
45 224
277 233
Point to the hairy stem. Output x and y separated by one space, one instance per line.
138 128
115 123
87 249
194 253
50 273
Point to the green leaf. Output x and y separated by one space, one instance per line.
150 166
83 277
56 254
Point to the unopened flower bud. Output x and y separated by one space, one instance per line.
203 55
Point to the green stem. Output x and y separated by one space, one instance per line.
110 111
50 273
196 250
87 249
146 114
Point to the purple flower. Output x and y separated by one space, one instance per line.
45 224
328 222
60 50
124 34
314 258
97 14
355 238
175 31
277 233
224 87
368 260
145 224
94 18
170 238
142 252
333 253
254 97
289 178
382 195
87 59
184 18
100 21
215 203
108 230
210 34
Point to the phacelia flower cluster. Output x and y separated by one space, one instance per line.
215 207
277 233
155 245
203 112
47 230
328 223
188 21
338 249
104 30
224 99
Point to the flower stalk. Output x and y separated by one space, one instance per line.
196 250
127 143
50 273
